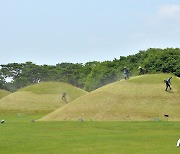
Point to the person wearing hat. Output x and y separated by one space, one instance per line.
141 70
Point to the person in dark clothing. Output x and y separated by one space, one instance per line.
141 70
168 83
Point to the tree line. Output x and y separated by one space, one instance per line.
91 75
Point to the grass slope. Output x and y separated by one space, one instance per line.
139 98
3 93
42 97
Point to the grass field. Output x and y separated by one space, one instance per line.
140 98
3 93
129 118
42 97
20 135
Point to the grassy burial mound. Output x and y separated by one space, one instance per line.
3 93
139 98
42 97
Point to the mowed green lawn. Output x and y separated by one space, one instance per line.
20 135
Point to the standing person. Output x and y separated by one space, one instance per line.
141 70
168 83
64 97
126 73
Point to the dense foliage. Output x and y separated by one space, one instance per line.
90 75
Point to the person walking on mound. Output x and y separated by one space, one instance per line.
126 73
64 97
141 70
168 83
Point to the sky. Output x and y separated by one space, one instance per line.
80 31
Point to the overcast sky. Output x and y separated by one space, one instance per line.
56 31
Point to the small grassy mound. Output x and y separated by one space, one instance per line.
139 98
3 93
42 97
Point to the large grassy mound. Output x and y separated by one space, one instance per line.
3 93
42 97
139 98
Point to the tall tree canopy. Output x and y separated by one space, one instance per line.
90 75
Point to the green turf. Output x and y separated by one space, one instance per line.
20 135
3 93
53 88
141 98
156 79
42 97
